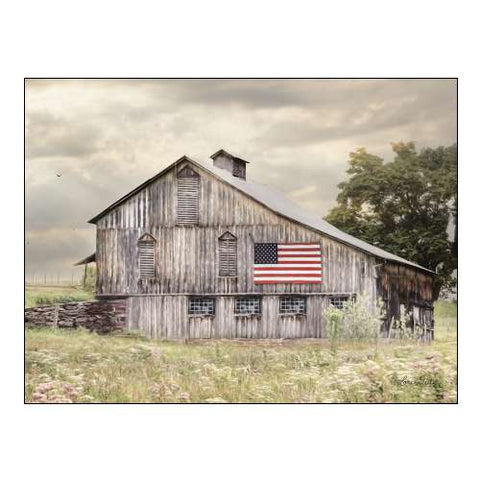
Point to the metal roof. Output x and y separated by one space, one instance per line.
278 203
228 154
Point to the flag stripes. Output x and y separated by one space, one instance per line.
287 263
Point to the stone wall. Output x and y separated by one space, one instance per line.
103 316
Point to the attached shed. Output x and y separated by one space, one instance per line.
86 261
199 251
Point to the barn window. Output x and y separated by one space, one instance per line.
146 256
295 305
339 301
201 306
188 183
248 306
239 169
227 255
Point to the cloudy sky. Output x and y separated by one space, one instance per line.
105 137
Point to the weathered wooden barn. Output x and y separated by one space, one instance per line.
200 251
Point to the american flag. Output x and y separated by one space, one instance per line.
287 263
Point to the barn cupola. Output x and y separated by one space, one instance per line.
235 165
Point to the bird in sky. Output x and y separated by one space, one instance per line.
59 175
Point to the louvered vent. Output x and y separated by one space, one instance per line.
188 183
227 248
146 255
239 169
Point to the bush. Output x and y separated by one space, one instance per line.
335 318
358 320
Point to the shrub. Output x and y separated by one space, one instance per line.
359 320
334 318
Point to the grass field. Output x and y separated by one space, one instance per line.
76 366
47 294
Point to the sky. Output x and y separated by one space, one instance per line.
89 142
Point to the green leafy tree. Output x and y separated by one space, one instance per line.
404 206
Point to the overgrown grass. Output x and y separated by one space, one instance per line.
76 366
445 321
47 295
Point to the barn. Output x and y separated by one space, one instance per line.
201 251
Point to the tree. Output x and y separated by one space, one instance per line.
404 206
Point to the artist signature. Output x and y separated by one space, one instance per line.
415 381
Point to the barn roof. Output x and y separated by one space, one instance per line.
228 154
91 258
276 202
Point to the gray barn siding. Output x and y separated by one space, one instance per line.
166 317
187 261
158 316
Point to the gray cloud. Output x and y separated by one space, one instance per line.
56 136
105 137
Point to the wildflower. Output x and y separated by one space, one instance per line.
70 389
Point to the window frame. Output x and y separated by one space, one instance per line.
184 174
292 297
201 298
239 169
227 237
332 299
147 238
257 298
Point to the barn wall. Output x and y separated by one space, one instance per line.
188 257
166 317
401 285
187 261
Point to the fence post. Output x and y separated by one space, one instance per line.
55 315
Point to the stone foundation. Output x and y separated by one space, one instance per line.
103 316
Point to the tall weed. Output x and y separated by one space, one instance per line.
359 320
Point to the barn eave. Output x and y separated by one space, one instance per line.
90 259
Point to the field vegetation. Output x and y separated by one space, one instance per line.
65 366
46 294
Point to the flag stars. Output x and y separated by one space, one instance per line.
266 253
